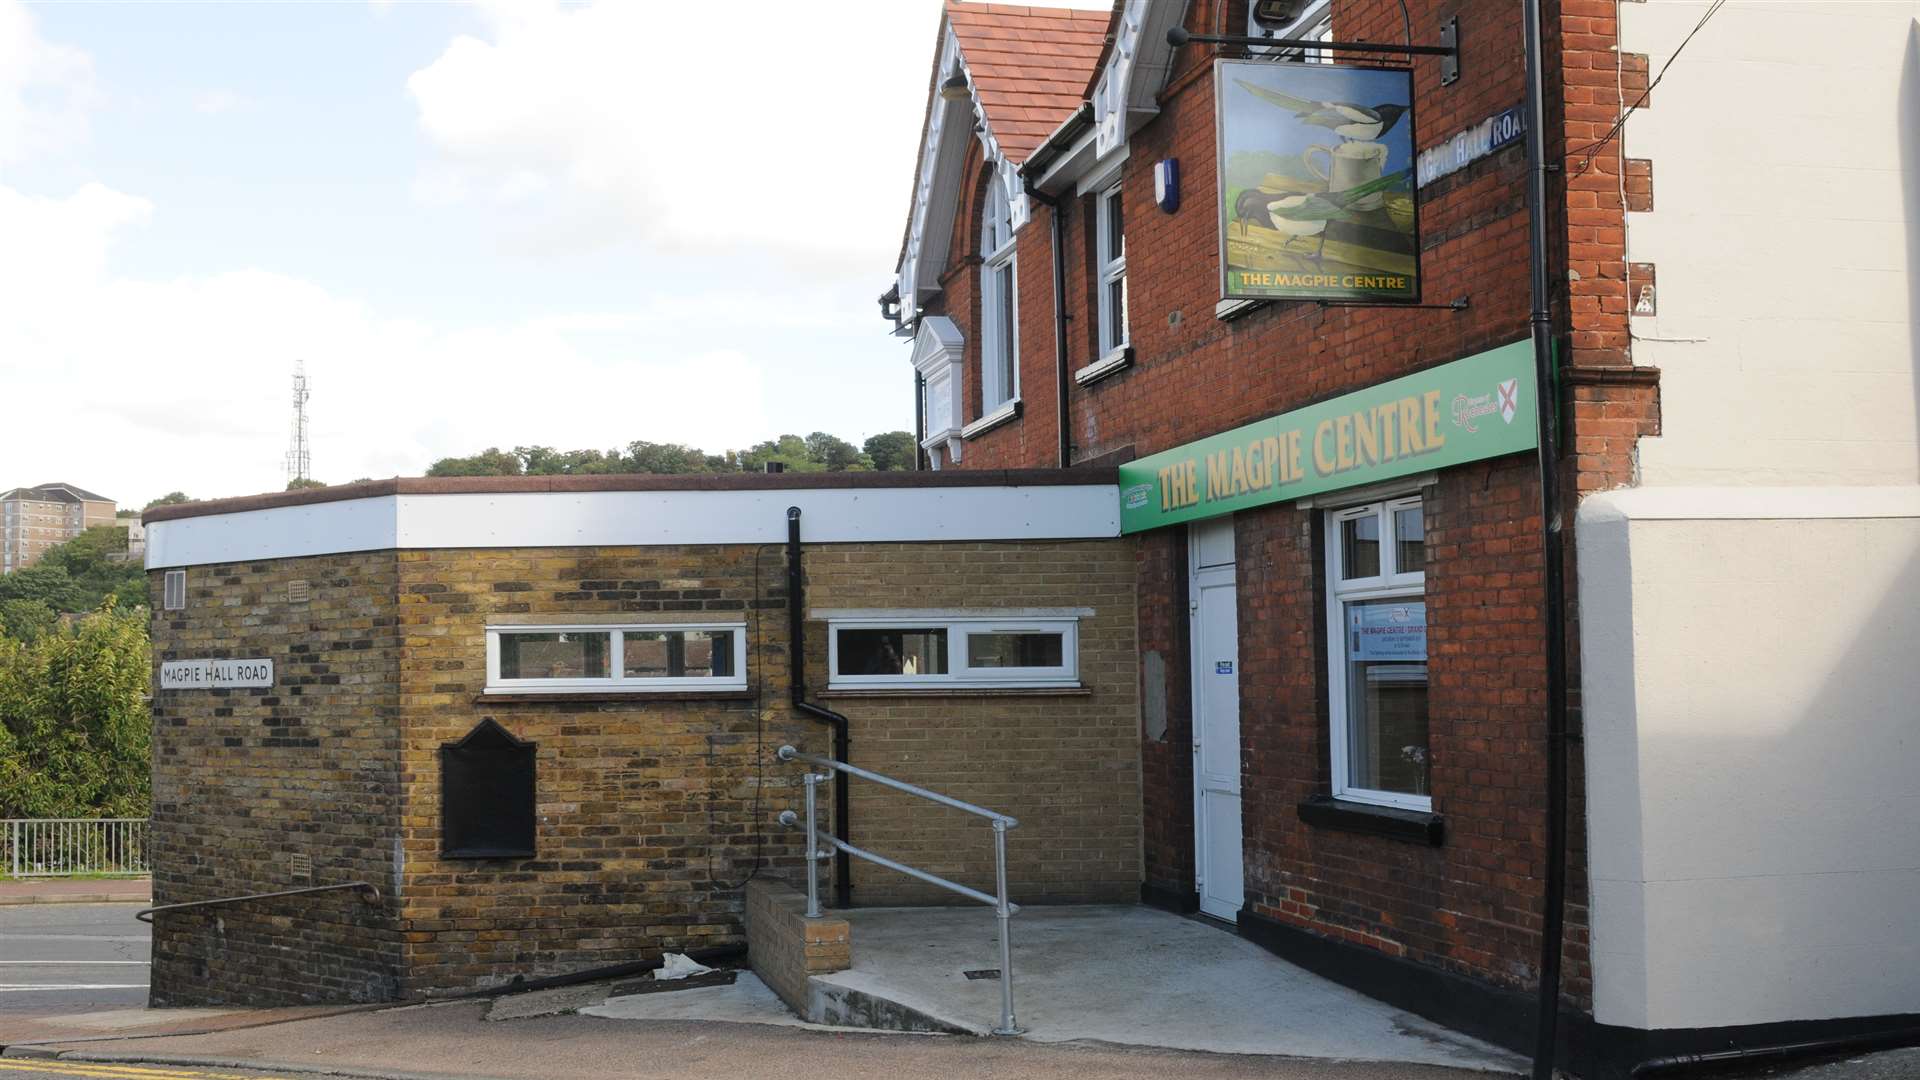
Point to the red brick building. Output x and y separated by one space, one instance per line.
1375 811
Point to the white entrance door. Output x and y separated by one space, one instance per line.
1216 719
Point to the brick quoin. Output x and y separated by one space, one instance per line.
1472 905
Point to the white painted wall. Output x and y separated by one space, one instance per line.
1786 237
1751 691
617 518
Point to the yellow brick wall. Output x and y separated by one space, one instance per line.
652 813
1066 765
282 787
647 819
786 947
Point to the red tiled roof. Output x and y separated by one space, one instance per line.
1030 66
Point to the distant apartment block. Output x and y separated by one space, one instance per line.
33 519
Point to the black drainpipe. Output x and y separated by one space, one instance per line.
1547 399
797 666
1059 316
919 420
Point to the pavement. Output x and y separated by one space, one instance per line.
76 891
454 1039
1136 976
1886 1065
56 1029
66 1070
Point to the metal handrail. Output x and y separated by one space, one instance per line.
373 897
788 753
1003 908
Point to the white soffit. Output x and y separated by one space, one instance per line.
1137 67
936 192
638 519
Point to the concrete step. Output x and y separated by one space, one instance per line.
840 1000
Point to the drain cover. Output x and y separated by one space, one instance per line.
982 973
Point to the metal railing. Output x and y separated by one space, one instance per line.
1003 909
66 847
371 890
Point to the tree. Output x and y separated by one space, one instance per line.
26 620
789 450
891 450
546 461
814 453
97 564
304 483
835 454
169 499
74 726
492 461
668 458
46 582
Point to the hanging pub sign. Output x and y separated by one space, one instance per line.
1316 182
1479 407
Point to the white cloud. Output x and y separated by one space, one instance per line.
183 383
45 89
215 102
691 128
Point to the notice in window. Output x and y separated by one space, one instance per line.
1388 631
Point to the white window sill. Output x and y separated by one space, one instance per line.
1115 361
1007 412
1418 803
627 690
958 691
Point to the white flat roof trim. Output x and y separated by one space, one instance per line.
637 519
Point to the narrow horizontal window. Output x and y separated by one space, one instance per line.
677 654
553 656
892 651
561 659
1016 649
960 652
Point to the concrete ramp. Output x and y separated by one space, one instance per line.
1125 975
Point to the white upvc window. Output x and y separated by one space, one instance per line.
999 304
1313 22
971 652
637 658
1319 31
1377 654
1112 254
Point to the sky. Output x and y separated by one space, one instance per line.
500 223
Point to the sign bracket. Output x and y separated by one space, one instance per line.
1179 36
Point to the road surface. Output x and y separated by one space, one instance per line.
71 958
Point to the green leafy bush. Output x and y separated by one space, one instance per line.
75 735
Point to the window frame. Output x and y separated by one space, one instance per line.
615 681
1112 271
999 329
960 674
1392 583
1315 23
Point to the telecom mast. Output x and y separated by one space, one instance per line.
299 457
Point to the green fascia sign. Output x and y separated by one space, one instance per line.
1479 407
